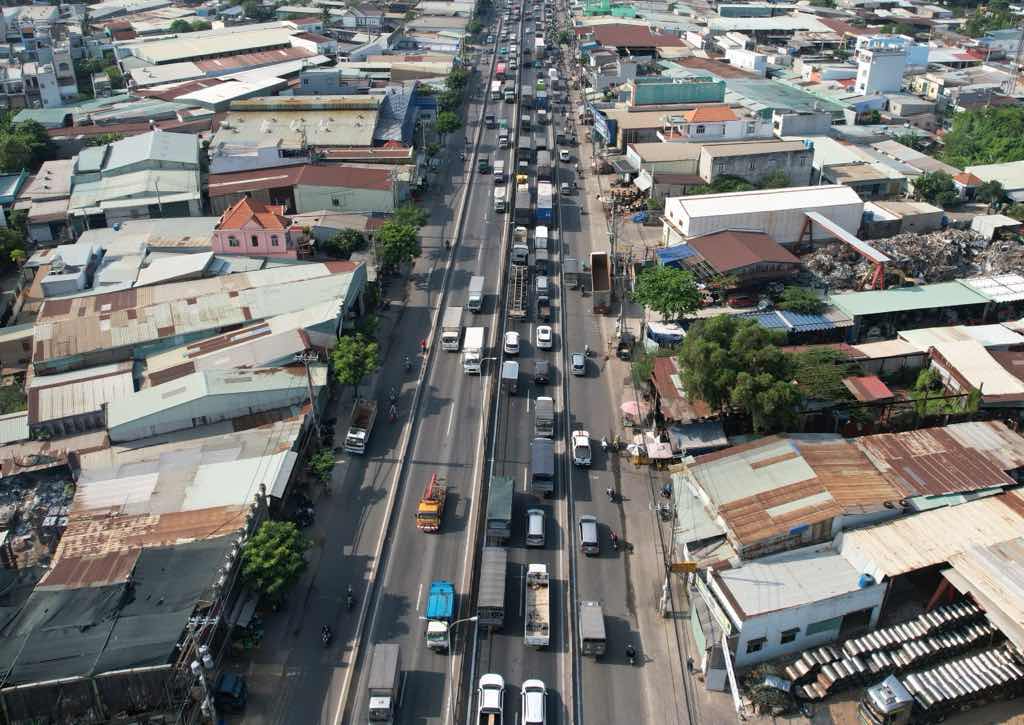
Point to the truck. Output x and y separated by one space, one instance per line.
544 167
552 74
510 376
545 203
600 282
495 91
581 452
540 100
473 350
542 467
384 682
526 97
537 627
524 149
489 119
520 245
490 601
543 309
499 171
542 117
503 138
524 212
475 295
439 615
499 199
517 292
499 511
540 261
592 636
524 121
364 413
451 329
510 94
544 417
541 238
430 510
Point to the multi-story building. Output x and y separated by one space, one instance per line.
754 160
714 123
882 60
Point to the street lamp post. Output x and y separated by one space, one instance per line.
451 672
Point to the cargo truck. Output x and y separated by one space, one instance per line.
451 329
538 606
540 263
503 137
490 602
524 212
364 413
544 417
600 282
475 296
540 237
439 615
430 510
495 91
499 171
592 636
473 350
543 167
542 467
499 199
510 94
384 682
517 292
545 203
520 245
499 511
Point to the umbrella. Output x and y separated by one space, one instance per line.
635 409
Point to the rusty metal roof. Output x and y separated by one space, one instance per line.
955 459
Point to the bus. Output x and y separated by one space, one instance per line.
499 72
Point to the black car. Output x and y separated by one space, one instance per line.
541 372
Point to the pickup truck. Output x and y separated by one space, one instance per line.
581 452
364 413
439 614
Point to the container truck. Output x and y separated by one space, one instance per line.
544 417
490 602
475 296
592 636
364 413
499 199
499 171
439 615
384 682
545 203
600 282
451 329
430 510
495 90
473 350
499 511
524 212
517 292
542 467
538 606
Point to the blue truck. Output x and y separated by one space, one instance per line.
545 203
440 610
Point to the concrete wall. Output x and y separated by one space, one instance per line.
666 91
795 164
801 124
255 242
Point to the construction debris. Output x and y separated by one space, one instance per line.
918 259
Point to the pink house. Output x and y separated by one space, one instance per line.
256 229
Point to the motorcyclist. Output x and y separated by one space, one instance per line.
630 652
407 362
611 493
423 346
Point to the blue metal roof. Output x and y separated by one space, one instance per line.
677 253
787 321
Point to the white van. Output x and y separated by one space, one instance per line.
535 527
589 543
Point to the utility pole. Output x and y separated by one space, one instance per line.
306 357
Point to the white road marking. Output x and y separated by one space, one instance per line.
451 419
419 596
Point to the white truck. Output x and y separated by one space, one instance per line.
581 452
475 296
499 199
473 350
499 171
451 329
364 412
540 238
538 606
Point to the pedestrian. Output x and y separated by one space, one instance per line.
689 665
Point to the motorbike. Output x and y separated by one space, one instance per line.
407 363
349 599
631 654
611 495
326 635
615 542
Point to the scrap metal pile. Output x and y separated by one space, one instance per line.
917 258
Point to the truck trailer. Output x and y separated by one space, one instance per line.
600 282
364 413
490 602
537 627
545 203
518 279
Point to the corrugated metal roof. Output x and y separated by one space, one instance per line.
995 577
868 388
933 537
907 299
56 397
999 288
14 427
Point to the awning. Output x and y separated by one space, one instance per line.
623 165
642 182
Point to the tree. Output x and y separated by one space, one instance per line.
991 193
321 464
409 214
775 180
986 136
12 399
474 26
115 76
103 139
1016 211
723 185
447 122
254 10
201 25
911 141
457 79
801 300
935 187
668 290
344 243
397 244
17 256
873 117
564 37
354 357
181 26
449 101
820 373
770 402
273 558
23 145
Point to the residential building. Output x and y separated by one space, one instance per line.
660 90
256 229
1010 175
49 194
870 181
713 123
362 16
751 257
754 160
881 61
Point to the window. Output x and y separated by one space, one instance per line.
753 164
751 128
826 625
335 202
788 635
755 645
700 129
232 241
254 240
273 241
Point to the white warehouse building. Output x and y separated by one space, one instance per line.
779 213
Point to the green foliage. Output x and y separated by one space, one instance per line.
873 117
985 136
990 192
12 399
911 141
24 145
564 37
717 350
640 369
409 15
800 299
321 464
672 292
353 358
344 243
655 204
103 139
255 10
448 101
775 180
823 3
474 26
181 26
935 187
457 79
115 76
17 256
723 185
770 402
201 25
447 122
433 149
928 395
397 244
996 16
409 214
273 558
1016 211
12 247
820 373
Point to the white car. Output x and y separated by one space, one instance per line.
490 698
581 448
578 363
544 337
563 155
535 703
511 342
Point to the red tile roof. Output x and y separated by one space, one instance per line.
710 114
967 179
247 210
632 36
730 249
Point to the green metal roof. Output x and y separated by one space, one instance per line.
906 299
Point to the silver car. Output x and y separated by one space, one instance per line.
578 363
